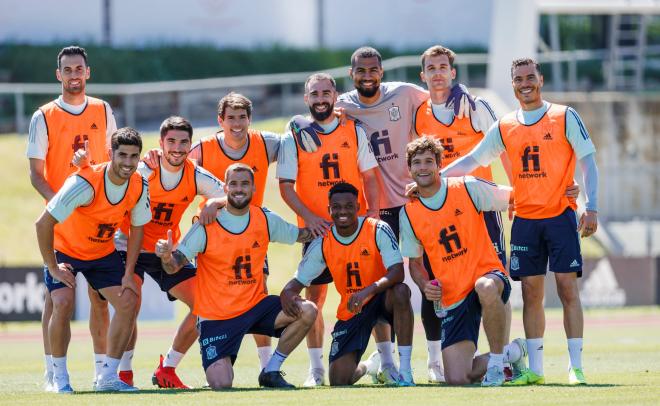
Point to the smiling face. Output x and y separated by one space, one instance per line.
239 187
424 169
367 75
438 73
73 72
235 123
343 209
176 146
527 83
320 97
125 161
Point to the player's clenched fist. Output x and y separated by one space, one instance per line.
433 290
164 247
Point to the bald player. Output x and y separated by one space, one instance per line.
57 130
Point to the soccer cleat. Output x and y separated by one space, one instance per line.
508 374
519 366
126 377
527 377
65 389
49 382
436 373
405 378
165 377
494 377
113 384
316 377
273 379
576 376
388 375
373 363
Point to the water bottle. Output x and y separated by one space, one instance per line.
440 312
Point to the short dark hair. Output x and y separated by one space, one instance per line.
423 144
125 136
175 123
436 50
342 187
523 62
237 102
71 50
239 167
365 52
321 76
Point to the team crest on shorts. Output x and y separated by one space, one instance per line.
395 114
334 348
515 265
211 352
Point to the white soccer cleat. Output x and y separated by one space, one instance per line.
61 385
519 366
113 384
373 364
49 382
494 377
316 377
388 375
436 373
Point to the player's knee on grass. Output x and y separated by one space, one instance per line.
487 290
220 374
456 377
63 301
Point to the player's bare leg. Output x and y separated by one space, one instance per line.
534 323
397 302
126 362
59 333
186 335
346 370
569 295
461 366
220 374
316 294
99 319
489 289
48 357
263 343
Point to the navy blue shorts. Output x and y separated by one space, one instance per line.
99 273
222 338
535 241
352 335
462 322
493 221
391 217
325 277
149 263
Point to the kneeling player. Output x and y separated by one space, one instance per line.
447 223
230 301
367 269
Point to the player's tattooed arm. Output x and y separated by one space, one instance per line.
304 235
172 260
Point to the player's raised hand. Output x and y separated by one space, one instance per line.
164 247
64 273
433 290
340 113
461 100
588 223
152 158
209 212
411 190
81 157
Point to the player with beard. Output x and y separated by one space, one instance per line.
306 177
173 185
75 234
363 257
230 300
57 130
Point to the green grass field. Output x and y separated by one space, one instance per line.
621 359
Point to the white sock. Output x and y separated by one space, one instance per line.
575 352
496 360
535 351
99 359
48 361
109 369
264 355
61 374
385 351
315 358
405 352
512 353
172 358
435 352
126 363
275 362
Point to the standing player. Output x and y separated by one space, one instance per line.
305 178
447 224
237 142
458 136
57 130
543 141
75 234
173 185
230 300
363 257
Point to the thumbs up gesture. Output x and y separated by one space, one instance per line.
81 157
164 247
